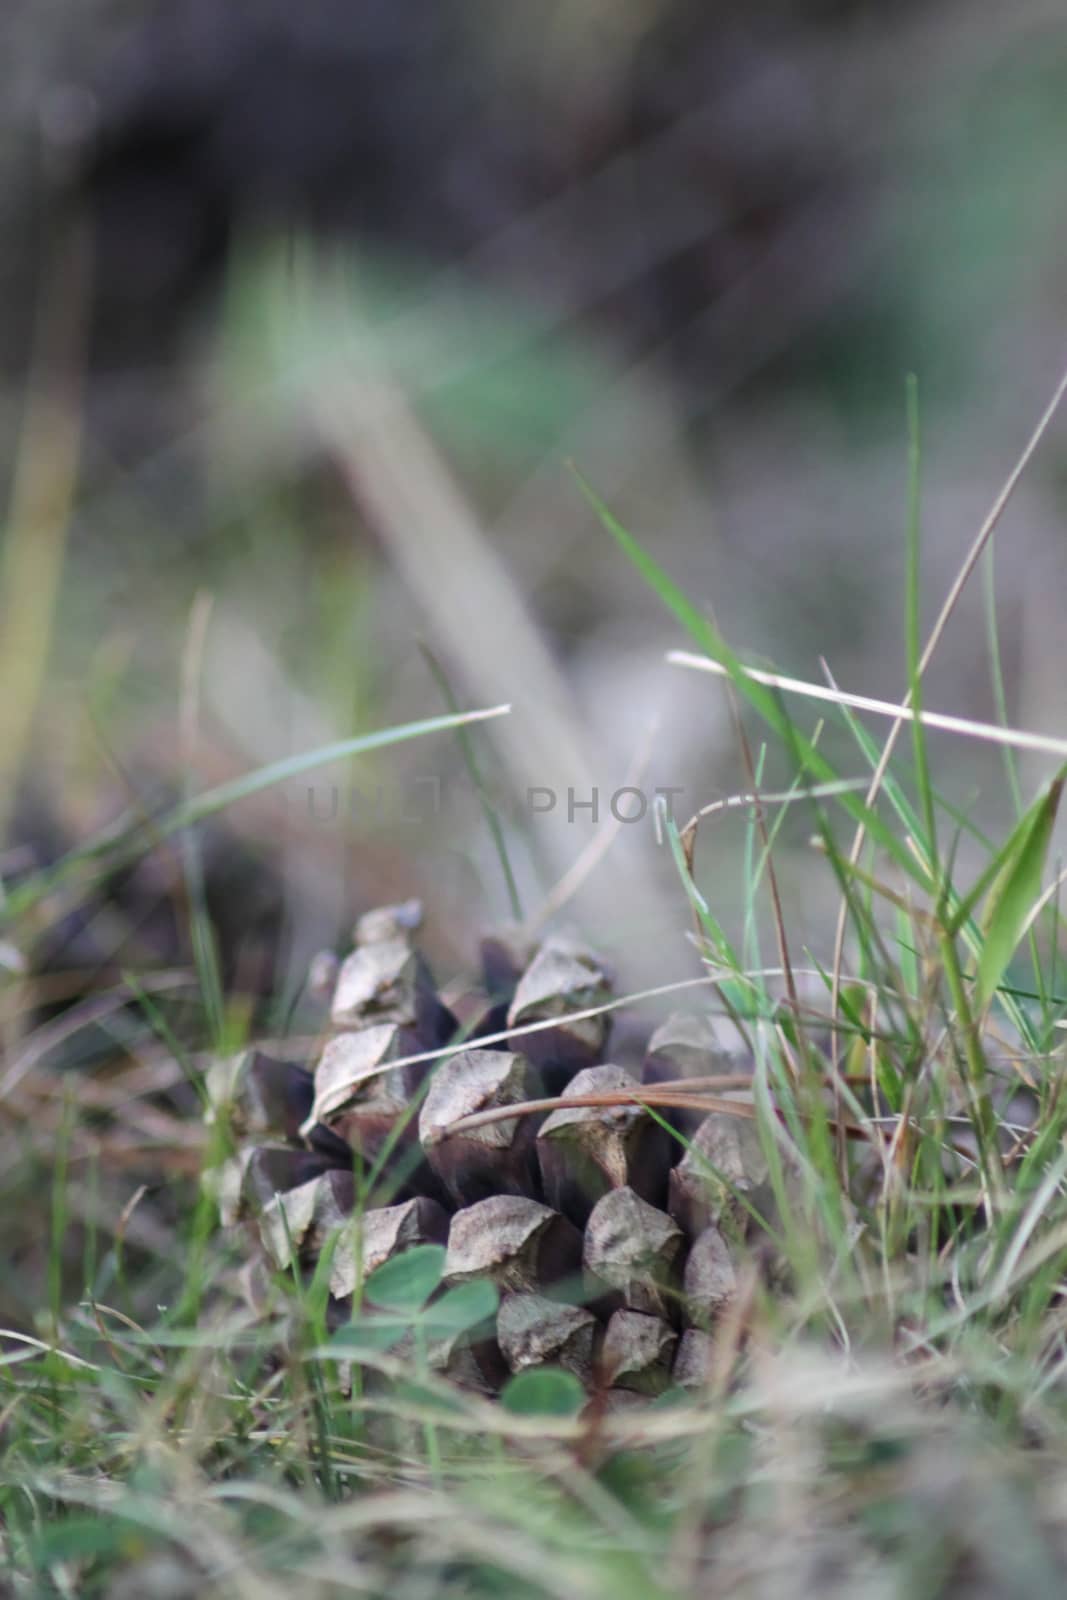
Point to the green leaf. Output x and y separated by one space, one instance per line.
373 1334
1016 888
543 1392
408 1281
461 1309
81 1538
422 1397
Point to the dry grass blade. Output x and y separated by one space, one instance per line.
400 481
524 1030
660 1097
992 733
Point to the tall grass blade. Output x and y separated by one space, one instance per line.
808 757
466 745
913 612
123 844
1014 892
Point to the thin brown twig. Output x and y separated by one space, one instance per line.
668 1099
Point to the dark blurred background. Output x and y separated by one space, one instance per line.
303 311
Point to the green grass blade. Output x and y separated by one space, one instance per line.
913 610
959 911
466 745
758 695
1012 896
124 844
996 669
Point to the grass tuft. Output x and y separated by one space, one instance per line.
887 1412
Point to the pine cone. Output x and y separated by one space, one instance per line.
613 1243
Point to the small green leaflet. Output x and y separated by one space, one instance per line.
372 1336
544 1392
461 1309
401 1287
408 1281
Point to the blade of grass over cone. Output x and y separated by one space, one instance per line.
317 1292
757 694
131 839
487 1041
708 1170
1016 889
681 1095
